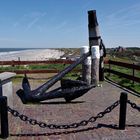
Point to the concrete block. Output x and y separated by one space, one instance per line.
6 86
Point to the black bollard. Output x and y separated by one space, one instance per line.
0 88
101 69
4 117
123 107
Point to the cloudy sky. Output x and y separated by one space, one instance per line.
64 23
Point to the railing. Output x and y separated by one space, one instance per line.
133 67
19 63
110 63
59 61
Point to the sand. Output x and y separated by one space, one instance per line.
34 54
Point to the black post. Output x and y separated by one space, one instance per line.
101 69
4 117
0 88
123 107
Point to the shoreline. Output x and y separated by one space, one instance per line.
31 54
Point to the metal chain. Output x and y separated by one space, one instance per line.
133 105
92 119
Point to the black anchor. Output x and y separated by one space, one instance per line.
69 90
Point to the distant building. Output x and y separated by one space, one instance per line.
120 49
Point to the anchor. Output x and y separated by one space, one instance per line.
69 90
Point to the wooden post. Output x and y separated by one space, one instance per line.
4 117
93 27
95 65
86 66
109 68
123 107
94 42
133 73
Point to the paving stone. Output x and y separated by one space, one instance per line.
58 112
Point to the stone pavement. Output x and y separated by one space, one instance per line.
58 112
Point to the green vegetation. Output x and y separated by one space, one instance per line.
75 51
128 55
11 68
48 66
71 75
124 82
51 66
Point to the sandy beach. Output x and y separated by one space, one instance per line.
32 54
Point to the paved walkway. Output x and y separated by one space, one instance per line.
58 112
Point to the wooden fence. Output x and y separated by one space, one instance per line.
133 67
110 63
19 63
59 61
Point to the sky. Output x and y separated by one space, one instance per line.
64 23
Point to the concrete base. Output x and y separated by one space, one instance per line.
6 86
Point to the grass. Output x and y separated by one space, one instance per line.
123 81
71 75
37 67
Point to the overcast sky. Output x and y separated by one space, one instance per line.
64 23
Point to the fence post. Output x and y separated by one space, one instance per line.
4 117
123 107
109 67
133 73
86 66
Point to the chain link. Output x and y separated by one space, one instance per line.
92 119
133 105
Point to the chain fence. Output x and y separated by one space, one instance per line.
134 105
122 118
92 119
85 122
